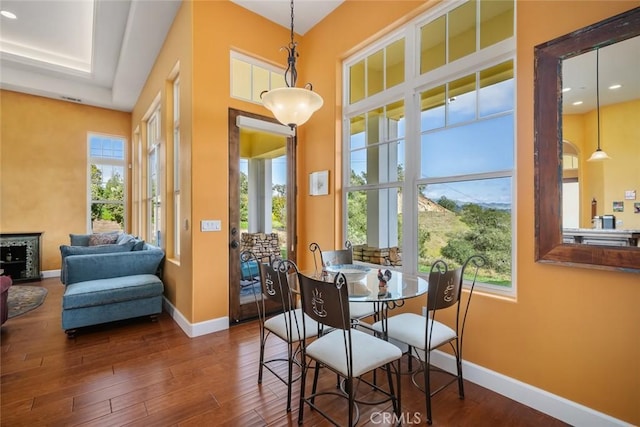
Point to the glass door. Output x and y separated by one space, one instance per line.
261 204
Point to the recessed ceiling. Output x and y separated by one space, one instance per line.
92 52
100 52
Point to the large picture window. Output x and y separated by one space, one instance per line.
429 159
106 183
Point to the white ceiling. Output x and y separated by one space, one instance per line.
100 52
618 64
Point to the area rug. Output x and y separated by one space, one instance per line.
22 299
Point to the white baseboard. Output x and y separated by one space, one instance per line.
558 407
49 273
195 329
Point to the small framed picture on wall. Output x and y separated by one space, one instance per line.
319 183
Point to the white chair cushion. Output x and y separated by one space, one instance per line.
409 328
369 352
358 310
278 325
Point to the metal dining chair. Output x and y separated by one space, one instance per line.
423 334
358 310
287 325
347 351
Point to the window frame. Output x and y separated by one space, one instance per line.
177 221
153 202
409 91
97 160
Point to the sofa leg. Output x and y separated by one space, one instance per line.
154 317
71 333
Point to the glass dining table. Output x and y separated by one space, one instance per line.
385 296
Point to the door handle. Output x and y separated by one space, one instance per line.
234 244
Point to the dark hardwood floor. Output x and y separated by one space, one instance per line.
141 373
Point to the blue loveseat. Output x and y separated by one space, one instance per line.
109 282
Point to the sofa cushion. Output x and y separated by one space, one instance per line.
99 249
108 291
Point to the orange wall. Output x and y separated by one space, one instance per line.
43 166
177 49
201 38
570 331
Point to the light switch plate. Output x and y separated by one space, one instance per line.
210 225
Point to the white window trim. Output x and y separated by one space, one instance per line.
177 219
105 161
409 91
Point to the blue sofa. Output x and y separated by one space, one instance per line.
110 282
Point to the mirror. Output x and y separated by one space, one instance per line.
566 184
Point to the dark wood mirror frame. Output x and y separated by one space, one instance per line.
548 146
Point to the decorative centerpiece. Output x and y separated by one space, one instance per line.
383 279
352 272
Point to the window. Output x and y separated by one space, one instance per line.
176 167
429 157
107 183
137 183
153 194
250 77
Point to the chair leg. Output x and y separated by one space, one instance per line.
351 399
460 378
290 376
262 344
303 381
427 389
394 400
399 392
316 374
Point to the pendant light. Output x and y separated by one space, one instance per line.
292 106
598 155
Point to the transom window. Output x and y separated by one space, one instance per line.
250 77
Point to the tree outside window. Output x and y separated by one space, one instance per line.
107 183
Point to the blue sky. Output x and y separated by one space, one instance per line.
467 146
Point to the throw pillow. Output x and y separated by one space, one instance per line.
102 239
124 238
139 245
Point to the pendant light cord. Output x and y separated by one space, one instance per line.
598 92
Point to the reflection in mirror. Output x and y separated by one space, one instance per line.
600 108
586 210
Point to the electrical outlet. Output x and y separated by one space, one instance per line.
210 225
424 311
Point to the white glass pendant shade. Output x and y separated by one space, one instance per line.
598 155
292 106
